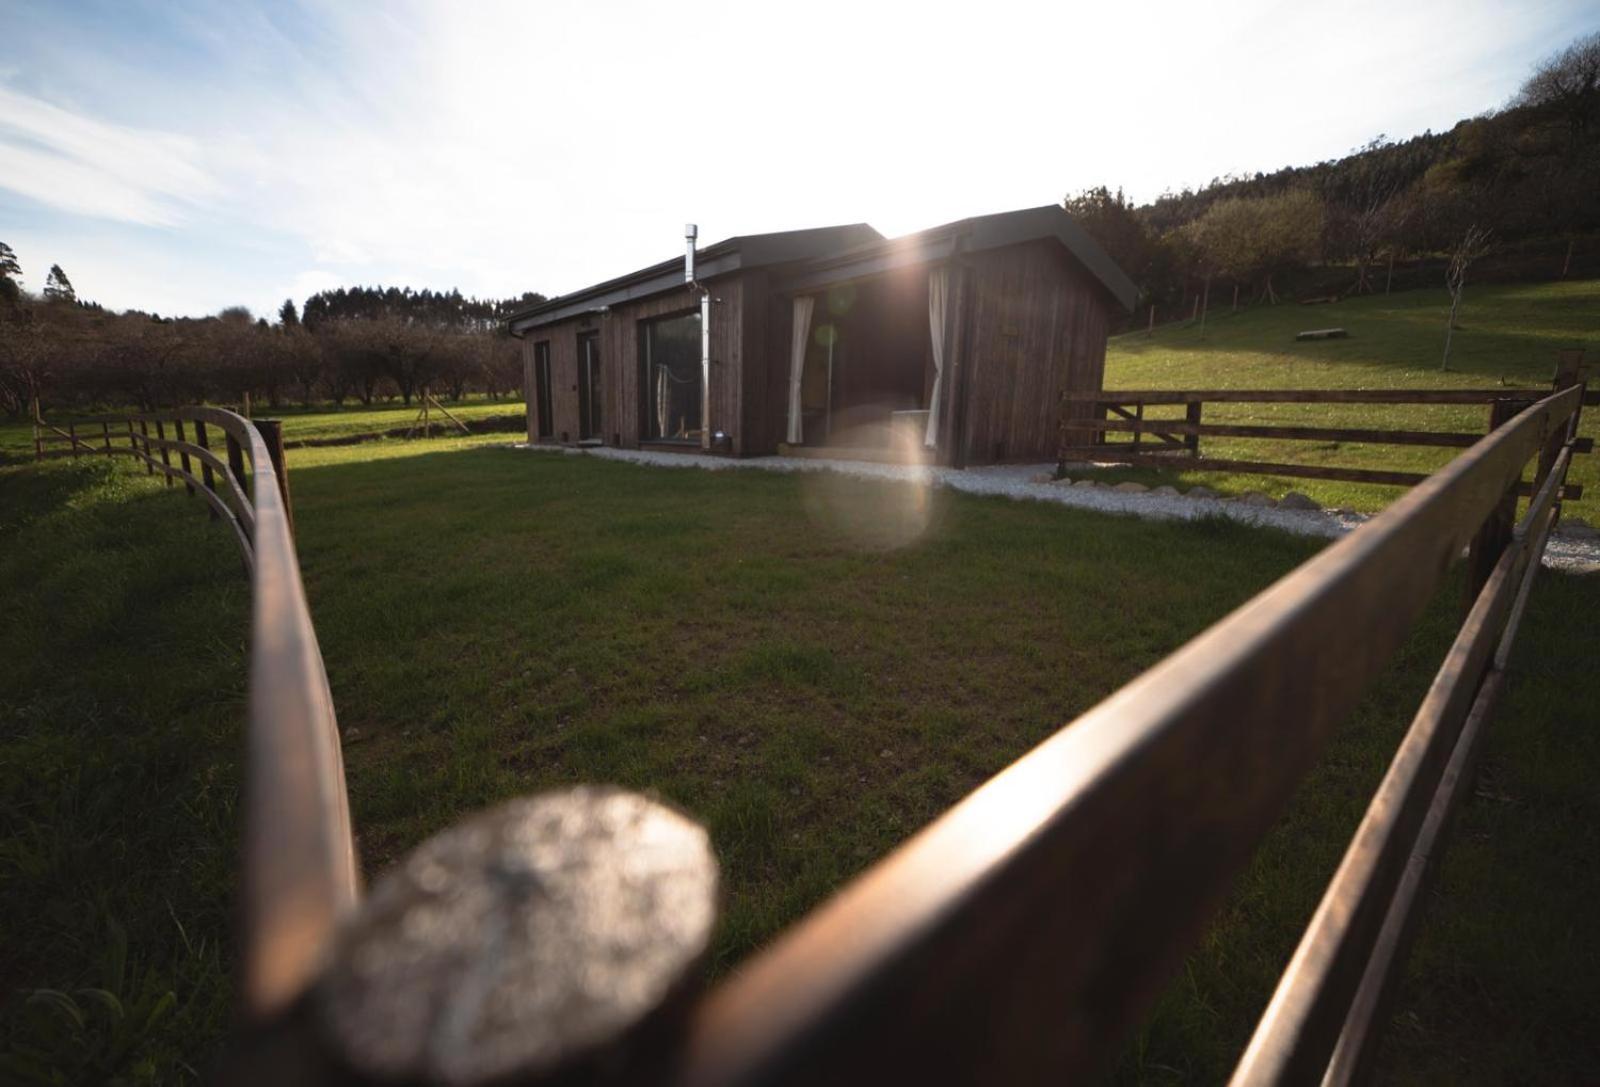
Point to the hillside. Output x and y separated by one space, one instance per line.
1509 335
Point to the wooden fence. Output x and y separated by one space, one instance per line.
1018 938
1113 426
298 876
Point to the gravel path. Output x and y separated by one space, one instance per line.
1567 551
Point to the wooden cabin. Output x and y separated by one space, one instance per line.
949 346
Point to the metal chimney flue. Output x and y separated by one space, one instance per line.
690 233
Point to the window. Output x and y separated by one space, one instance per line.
589 418
672 393
541 386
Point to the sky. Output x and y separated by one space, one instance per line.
185 155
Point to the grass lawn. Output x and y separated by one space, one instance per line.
1509 335
771 653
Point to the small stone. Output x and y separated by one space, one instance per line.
1255 498
1041 477
1131 488
1064 481
1086 483
1166 491
351 735
1347 511
1294 500
1202 491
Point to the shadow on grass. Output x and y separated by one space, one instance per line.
498 622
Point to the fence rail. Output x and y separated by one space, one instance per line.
299 873
1091 419
1019 937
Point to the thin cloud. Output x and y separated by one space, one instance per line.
87 166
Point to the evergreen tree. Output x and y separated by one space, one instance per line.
288 317
10 272
58 288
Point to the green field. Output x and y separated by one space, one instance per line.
1509 336
814 667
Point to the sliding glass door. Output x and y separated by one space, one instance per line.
671 385
589 418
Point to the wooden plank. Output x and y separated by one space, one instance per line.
1019 934
1296 1036
1322 334
1352 1055
1351 1060
1311 396
1439 438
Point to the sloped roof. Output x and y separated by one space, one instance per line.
730 255
829 254
971 236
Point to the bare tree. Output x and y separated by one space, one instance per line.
1567 84
1473 244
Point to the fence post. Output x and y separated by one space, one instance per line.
272 433
72 439
38 440
205 466
1495 532
166 454
105 435
236 461
1193 440
183 456
626 891
144 429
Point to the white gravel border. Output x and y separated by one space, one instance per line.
1566 552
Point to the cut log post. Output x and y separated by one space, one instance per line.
556 938
1323 334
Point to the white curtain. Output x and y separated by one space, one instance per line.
803 305
938 286
663 403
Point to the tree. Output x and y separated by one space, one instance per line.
1474 243
1567 85
10 272
58 288
1109 219
1255 240
287 316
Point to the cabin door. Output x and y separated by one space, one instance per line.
589 420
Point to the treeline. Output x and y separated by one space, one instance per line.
1527 177
365 343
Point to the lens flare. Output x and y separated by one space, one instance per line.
884 514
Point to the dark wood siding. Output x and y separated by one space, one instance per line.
619 332
1036 326
1027 324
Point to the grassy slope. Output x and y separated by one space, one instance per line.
1509 334
496 622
